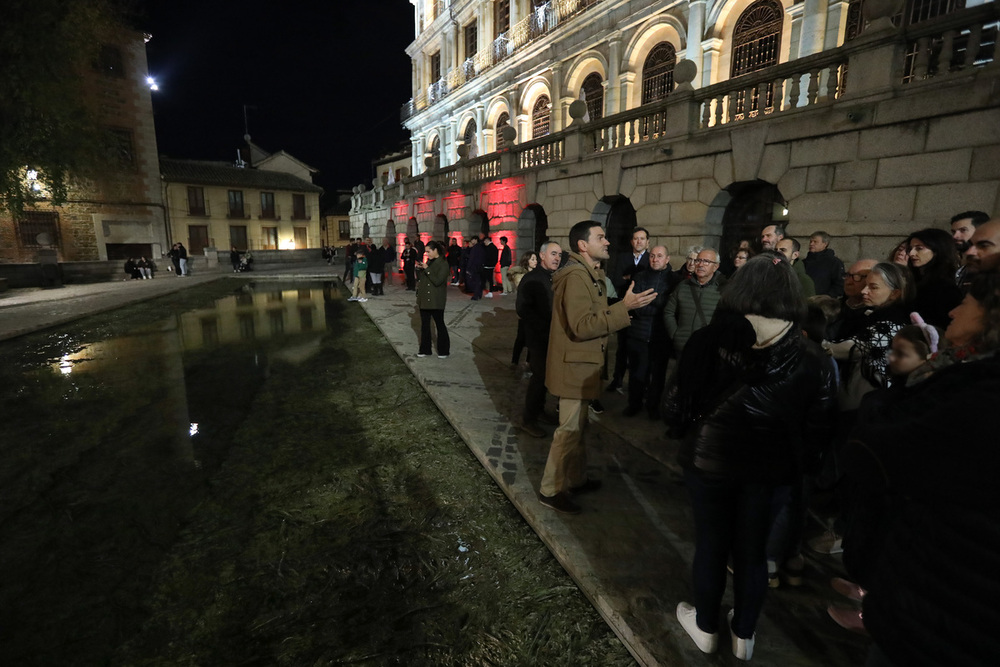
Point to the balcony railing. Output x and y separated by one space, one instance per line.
541 21
947 47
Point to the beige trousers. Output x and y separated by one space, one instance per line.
567 463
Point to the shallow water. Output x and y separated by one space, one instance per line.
247 474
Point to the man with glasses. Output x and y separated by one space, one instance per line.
852 311
692 303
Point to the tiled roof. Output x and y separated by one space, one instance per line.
201 172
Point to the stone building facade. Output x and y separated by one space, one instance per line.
121 214
702 121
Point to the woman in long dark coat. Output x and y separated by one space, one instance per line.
432 294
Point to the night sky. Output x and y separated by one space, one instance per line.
325 78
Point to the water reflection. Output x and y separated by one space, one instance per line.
106 444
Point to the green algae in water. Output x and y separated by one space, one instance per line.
334 517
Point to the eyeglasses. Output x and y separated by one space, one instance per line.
856 277
703 261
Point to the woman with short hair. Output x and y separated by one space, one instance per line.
752 407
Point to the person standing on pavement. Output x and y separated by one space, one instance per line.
648 344
630 264
432 294
751 408
692 304
175 259
506 259
454 259
234 259
582 320
491 256
534 308
409 257
182 255
360 269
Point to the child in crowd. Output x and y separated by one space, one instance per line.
911 347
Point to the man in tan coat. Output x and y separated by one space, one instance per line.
582 320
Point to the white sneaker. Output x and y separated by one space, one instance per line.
362 300
742 648
705 641
353 298
489 295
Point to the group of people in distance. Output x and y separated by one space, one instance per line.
787 379
139 269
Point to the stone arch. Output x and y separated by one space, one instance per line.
440 232
390 229
434 144
532 228
497 107
536 88
479 223
617 215
412 228
585 64
722 20
468 134
664 28
742 210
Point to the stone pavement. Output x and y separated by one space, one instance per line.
630 549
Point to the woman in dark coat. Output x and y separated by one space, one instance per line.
432 293
409 257
934 261
929 462
753 408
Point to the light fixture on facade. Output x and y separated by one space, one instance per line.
151 82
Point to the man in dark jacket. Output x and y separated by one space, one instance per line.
629 265
505 261
474 272
822 265
648 344
491 255
454 259
534 307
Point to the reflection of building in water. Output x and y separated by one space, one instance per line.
255 314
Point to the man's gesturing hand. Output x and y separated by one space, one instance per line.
633 300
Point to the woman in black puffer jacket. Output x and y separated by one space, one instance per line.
753 407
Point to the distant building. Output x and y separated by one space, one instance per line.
337 220
269 203
120 214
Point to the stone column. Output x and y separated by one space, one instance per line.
415 77
480 130
696 31
711 48
836 23
626 86
489 143
613 103
813 35
795 13
556 95
416 156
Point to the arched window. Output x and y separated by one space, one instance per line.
470 138
592 92
540 115
435 152
658 72
503 120
757 37
756 44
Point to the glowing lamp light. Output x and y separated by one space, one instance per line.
288 244
151 82
193 429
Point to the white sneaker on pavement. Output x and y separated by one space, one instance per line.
706 642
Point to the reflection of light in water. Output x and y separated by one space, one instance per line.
65 366
193 430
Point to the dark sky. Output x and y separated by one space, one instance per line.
326 79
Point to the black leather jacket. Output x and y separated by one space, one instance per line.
757 415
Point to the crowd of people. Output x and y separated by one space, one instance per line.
784 376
